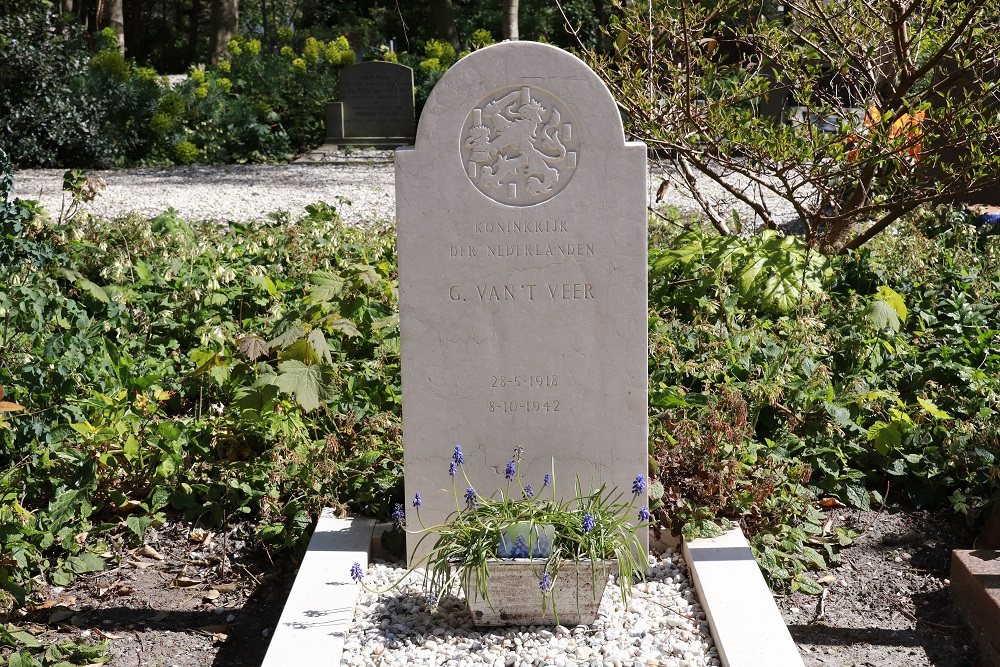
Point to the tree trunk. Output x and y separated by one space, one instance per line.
193 27
114 18
510 20
133 29
225 19
67 6
444 22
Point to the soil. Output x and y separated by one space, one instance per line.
198 599
188 598
888 601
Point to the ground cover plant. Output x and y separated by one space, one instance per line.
156 366
207 371
778 376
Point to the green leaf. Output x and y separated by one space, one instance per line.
857 496
62 508
93 289
301 350
26 638
264 284
344 326
894 299
932 409
142 270
206 360
885 436
319 345
131 448
271 531
748 275
807 584
780 294
813 557
882 316
85 562
139 525
22 659
288 335
324 286
309 384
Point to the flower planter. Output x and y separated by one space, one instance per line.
515 597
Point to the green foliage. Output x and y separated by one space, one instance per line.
27 651
249 371
587 527
771 273
882 379
68 105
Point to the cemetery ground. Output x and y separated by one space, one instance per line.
197 543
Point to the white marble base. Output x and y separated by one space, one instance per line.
320 607
744 619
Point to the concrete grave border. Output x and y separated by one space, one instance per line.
743 618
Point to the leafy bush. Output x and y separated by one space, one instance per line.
68 105
883 126
250 371
881 379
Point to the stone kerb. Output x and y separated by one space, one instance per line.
522 268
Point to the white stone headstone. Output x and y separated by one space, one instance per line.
522 273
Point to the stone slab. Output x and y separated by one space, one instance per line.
376 101
745 622
975 588
522 274
990 537
320 606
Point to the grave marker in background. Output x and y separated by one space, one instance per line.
522 270
375 106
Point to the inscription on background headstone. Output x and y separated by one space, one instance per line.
522 270
375 106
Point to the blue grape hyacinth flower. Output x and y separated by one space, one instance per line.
545 582
356 573
470 497
458 457
639 484
644 514
452 468
547 480
417 500
528 493
589 523
399 515
510 471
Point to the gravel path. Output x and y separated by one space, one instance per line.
245 192
229 192
663 625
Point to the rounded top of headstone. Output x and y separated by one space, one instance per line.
518 118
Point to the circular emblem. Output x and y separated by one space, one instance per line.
518 146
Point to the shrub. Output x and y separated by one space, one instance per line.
157 362
888 126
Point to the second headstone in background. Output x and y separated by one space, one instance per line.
375 106
522 270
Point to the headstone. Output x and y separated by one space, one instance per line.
375 107
522 273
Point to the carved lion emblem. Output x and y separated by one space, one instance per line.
517 147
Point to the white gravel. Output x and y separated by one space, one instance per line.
662 625
229 192
246 192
